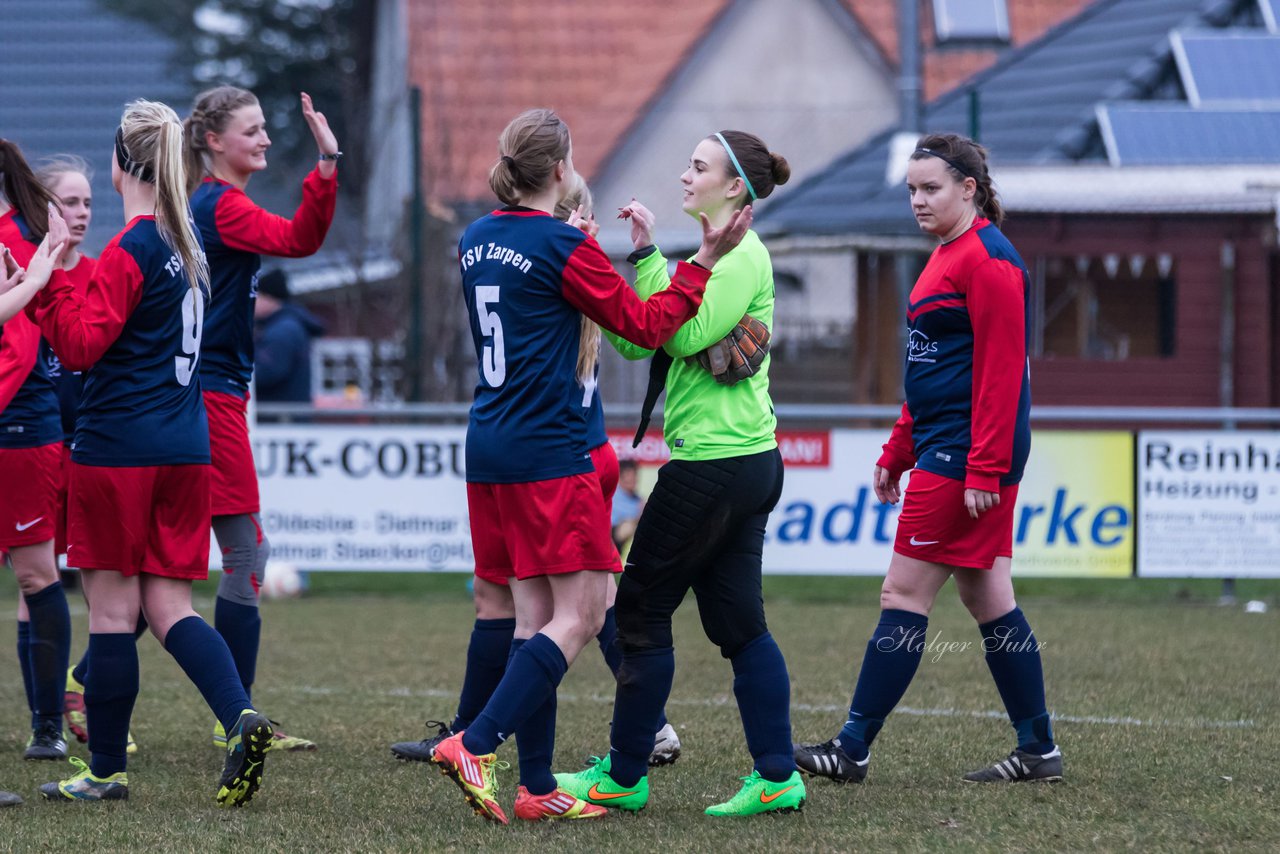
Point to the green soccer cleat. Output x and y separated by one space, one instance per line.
595 786
247 747
83 786
759 795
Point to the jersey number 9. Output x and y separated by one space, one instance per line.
192 330
493 358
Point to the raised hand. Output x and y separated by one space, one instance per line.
325 140
59 231
719 242
587 223
642 222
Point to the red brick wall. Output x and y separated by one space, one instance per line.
1191 377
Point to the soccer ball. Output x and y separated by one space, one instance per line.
283 581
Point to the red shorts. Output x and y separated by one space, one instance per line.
234 489
60 515
935 526
140 519
545 527
605 459
28 494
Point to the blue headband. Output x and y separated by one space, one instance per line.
738 166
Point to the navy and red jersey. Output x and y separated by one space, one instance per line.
68 384
236 233
968 382
135 330
28 402
596 434
526 277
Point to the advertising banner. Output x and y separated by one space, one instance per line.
1074 515
1209 504
356 496
393 498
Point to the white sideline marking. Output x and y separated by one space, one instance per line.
724 700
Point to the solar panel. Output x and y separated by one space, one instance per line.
1271 14
1232 67
1150 134
971 21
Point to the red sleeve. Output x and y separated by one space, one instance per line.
22 251
997 310
593 287
18 349
81 323
900 451
245 226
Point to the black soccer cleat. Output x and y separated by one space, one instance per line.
1021 767
46 743
829 760
422 751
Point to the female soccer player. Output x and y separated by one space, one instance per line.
534 500
494 629
31 455
703 526
138 512
226 143
69 178
964 428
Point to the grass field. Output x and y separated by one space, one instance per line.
1166 705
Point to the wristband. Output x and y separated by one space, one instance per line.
334 157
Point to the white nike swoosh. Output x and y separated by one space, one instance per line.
29 524
916 542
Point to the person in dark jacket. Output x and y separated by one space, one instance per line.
282 343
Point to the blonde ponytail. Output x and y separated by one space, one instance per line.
152 137
589 332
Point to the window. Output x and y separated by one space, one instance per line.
1112 307
967 21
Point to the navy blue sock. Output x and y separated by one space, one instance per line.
763 689
204 657
108 699
888 666
487 658
536 742
644 683
81 670
533 675
50 647
612 650
24 663
82 667
1013 657
241 627
608 640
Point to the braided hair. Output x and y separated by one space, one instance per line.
210 114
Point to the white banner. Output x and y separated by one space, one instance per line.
378 498
364 497
1209 504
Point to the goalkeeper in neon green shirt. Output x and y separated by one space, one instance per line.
703 526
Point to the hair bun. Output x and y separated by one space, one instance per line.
780 169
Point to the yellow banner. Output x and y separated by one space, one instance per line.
1075 506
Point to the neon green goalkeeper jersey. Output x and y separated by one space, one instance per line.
703 420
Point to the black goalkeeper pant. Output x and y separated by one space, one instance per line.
702 528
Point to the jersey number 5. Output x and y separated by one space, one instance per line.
192 330
493 358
